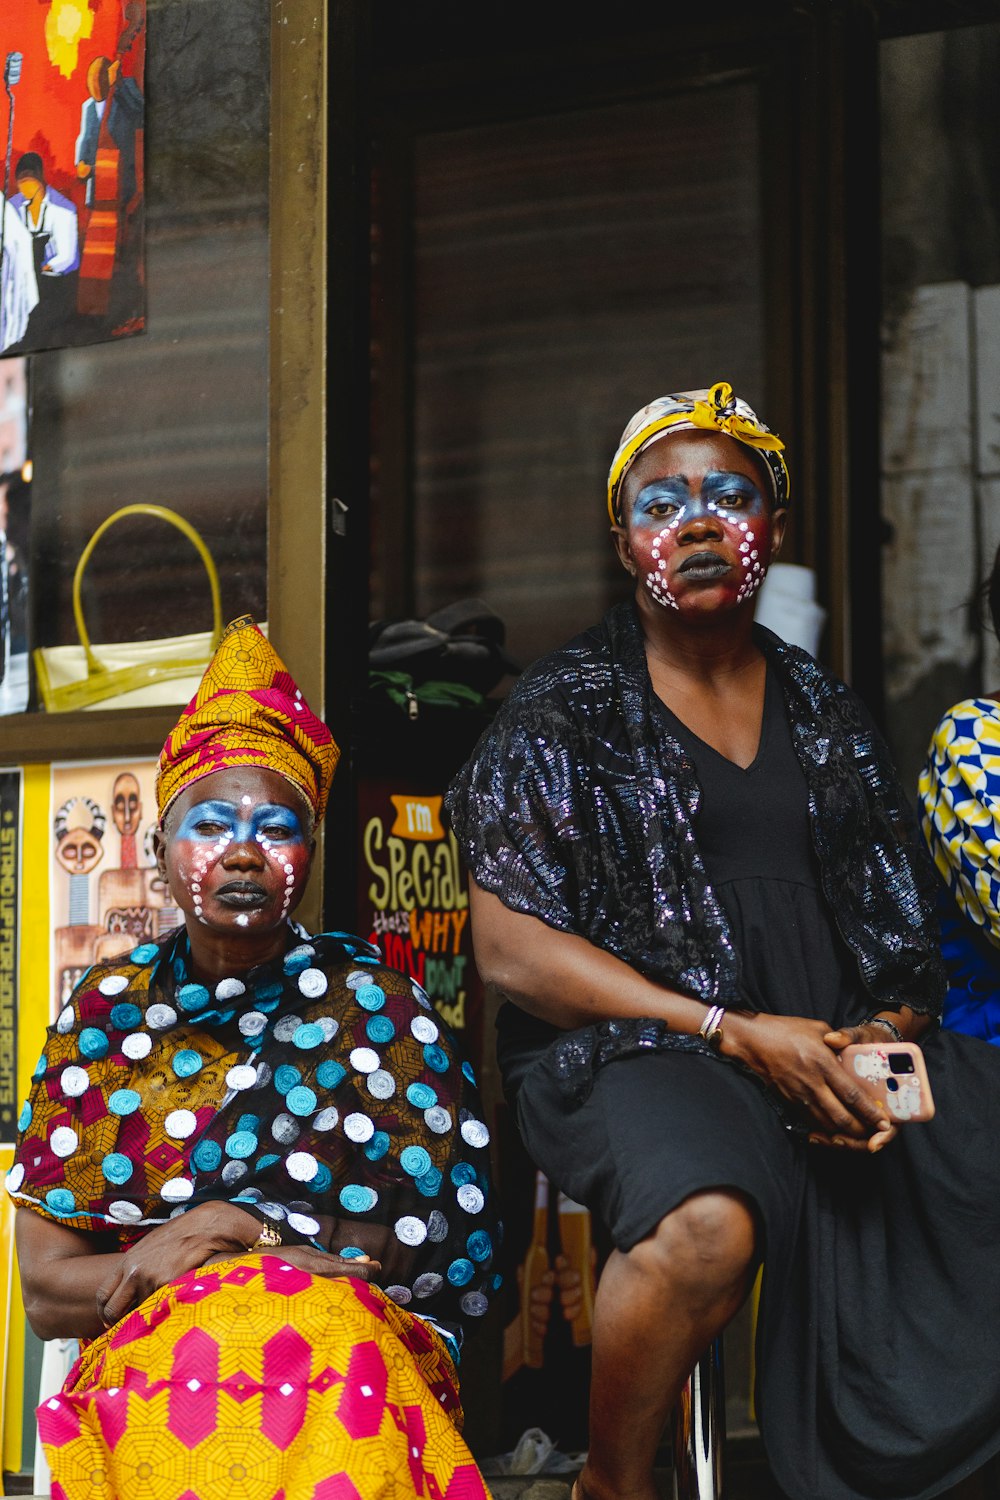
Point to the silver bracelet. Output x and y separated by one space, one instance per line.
890 1026
710 1029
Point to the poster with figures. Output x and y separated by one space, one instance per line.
10 921
105 894
72 215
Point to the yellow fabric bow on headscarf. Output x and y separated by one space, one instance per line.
714 410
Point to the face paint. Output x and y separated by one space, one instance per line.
685 539
754 569
210 855
655 582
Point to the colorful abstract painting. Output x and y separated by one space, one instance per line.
72 119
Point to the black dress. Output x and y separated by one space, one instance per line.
881 1274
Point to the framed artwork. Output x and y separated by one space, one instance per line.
72 120
104 891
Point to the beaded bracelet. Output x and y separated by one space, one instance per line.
890 1026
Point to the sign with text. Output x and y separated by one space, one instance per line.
414 900
10 913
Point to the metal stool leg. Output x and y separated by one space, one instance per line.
699 1430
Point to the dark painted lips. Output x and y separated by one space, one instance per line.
704 565
243 894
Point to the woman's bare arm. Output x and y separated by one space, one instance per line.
60 1275
74 1290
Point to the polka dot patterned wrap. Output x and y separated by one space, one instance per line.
959 798
264 1095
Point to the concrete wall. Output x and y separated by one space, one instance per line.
940 375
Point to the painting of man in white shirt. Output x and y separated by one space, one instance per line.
18 282
49 217
51 221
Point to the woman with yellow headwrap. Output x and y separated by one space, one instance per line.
697 881
252 1171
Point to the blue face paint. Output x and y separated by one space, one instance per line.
249 888
734 517
208 822
670 501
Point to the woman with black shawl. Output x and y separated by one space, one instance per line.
696 881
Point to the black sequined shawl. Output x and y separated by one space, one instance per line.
578 806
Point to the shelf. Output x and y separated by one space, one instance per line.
93 734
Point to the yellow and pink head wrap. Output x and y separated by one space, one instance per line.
248 712
715 410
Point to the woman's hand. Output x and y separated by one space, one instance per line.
852 1036
796 1056
856 1036
317 1262
329 1264
183 1244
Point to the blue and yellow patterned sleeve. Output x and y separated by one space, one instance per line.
959 796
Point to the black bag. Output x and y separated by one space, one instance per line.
462 643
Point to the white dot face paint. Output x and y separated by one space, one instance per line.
753 579
701 536
242 862
655 581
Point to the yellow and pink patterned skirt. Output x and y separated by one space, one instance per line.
252 1380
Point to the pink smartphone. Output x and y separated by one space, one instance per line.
896 1073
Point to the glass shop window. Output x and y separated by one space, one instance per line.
176 416
565 270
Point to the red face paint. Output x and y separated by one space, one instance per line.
700 528
238 863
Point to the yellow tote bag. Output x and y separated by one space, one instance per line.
129 674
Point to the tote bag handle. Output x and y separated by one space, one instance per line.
102 682
160 512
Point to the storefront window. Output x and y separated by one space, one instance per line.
567 269
178 416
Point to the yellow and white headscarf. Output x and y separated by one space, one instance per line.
715 410
959 797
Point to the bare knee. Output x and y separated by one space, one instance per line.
705 1246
